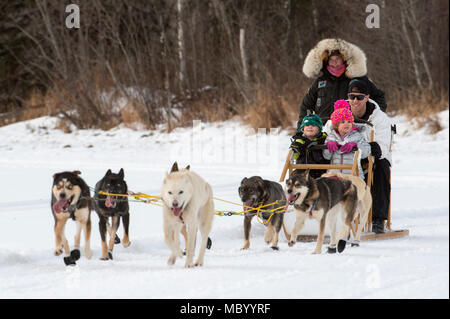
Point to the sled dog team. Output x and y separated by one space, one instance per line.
188 207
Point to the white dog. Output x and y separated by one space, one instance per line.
188 201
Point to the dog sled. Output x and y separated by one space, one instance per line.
367 233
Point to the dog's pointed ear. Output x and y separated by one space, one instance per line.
121 173
188 167
244 180
174 167
76 173
259 183
306 173
108 172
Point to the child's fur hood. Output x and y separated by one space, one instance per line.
354 56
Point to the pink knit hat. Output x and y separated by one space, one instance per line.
341 114
339 104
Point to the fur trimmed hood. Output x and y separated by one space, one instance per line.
353 55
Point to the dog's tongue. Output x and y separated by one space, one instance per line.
110 201
60 205
291 197
177 211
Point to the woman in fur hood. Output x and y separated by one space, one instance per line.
334 63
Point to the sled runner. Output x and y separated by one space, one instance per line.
367 234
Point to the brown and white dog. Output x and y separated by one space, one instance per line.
71 199
362 209
187 202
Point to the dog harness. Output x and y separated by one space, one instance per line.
313 206
341 180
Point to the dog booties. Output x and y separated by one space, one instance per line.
74 256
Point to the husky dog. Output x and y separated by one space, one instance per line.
255 192
187 201
318 199
112 206
362 209
71 199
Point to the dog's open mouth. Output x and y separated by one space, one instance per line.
177 211
292 198
62 205
110 201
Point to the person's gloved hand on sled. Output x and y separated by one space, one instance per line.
332 146
375 150
348 147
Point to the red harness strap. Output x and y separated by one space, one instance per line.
340 179
336 177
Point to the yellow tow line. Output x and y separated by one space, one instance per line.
153 200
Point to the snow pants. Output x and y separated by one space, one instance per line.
381 189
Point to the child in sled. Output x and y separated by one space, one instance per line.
345 138
308 143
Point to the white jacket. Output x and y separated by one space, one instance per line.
357 136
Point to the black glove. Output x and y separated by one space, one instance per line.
375 150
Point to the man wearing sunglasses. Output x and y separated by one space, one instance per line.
364 108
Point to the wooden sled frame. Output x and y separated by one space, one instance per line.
366 234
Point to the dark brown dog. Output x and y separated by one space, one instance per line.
255 192
114 207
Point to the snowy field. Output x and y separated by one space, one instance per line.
411 267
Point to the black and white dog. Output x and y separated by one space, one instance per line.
71 199
321 199
108 204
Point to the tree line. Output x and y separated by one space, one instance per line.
175 60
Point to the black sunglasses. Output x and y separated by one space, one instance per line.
357 96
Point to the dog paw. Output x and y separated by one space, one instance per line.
291 243
88 253
331 250
171 260
126 244
275 248
317 252
69 261
198 264
341 245
116 240
104 258
75 254
110 255
58 252
189 265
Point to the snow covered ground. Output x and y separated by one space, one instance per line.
223 153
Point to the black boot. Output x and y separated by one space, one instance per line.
378 226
